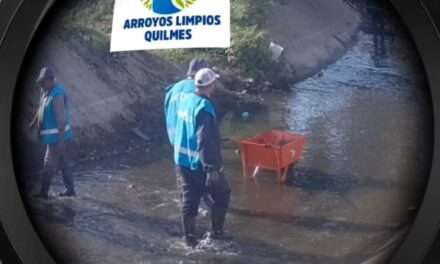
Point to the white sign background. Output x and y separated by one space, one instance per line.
203 36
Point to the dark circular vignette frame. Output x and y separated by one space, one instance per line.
19 20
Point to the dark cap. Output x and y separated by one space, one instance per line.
195 65
45 74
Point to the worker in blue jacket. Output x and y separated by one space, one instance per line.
175 91
198 158
55 129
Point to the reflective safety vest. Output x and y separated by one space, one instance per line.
187 138
49 129
173 95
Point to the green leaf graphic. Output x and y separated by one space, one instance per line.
147 3
180 3
190 2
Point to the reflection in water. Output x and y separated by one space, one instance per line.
376 13
61 214
378 21
351 196
356 106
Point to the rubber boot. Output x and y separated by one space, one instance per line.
221 197
218 216
189 228
45 185
68 182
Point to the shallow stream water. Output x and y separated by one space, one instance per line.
351 196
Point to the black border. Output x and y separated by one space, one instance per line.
421 26
19 31
18 23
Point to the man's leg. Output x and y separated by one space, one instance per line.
66 169
191 187
221 195
50 168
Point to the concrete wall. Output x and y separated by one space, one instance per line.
313 32
110 94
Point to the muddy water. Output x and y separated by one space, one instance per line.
350 198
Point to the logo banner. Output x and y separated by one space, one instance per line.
170 24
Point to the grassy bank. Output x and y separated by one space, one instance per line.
249 53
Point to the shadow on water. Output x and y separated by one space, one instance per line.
310 180
56 213
378 19
316 224
99 221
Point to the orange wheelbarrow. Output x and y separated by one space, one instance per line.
274 150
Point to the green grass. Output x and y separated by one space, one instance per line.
249 53
91 19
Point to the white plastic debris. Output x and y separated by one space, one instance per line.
245 115
276 50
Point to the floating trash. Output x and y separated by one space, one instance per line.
245 116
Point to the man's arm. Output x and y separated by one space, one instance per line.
208 135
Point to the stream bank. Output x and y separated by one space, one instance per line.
118 97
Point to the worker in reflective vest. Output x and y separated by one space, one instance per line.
54 124
174 93
198 158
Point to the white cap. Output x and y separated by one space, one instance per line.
205 77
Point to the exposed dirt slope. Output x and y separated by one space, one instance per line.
111 94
